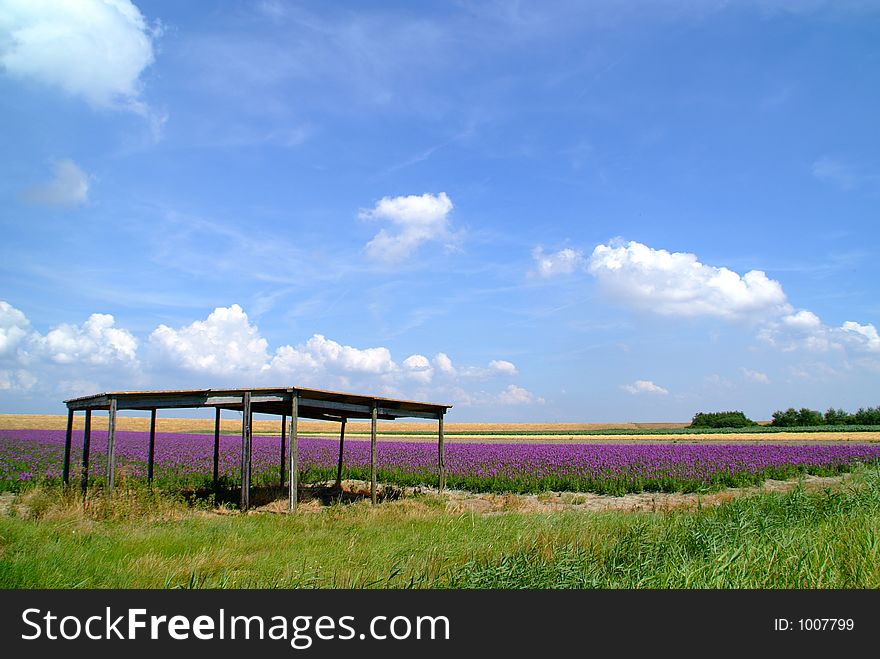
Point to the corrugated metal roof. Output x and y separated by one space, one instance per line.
315 403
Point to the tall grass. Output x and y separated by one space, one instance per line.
803 539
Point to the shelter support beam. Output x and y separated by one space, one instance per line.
282 464
216 473
441 455
246 451
151 450
87 441
111 446
68 439
341 447
293 492
373 424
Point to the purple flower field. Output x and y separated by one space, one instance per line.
27 455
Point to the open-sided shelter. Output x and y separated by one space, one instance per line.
286 402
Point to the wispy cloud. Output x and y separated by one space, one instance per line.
563 262
843 174
754 376
69 186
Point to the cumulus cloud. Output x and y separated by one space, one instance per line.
563 262
804 330
644 387
417 218
223 344
93 49
96 342
417 367
73 360
514 395
322 355
860 337
502 367
14 327
29 358
69 186
678 284
443 363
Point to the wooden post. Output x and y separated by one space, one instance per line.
151 452
283 448
441 453
341 445
293 492
245 451
216 447
111 446
373 452
65 474
87 440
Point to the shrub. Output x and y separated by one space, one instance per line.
721 420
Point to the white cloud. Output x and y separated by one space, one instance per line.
514 395
564 261
19 380
73 360
418 368
678 284
644 387
502 367
223 344
418 219
802 321
96 342
94 49
754 376
443 363
496 368
69 186
804 330
320 354
14 327
860 337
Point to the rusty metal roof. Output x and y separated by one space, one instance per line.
312 403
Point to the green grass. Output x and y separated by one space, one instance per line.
803 539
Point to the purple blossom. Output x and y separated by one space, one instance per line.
480 466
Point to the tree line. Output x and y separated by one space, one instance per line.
864 416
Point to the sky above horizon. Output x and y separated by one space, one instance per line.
533 211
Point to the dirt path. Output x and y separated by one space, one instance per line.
457 501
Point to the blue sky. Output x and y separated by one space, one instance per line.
548 211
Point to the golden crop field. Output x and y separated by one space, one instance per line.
169 424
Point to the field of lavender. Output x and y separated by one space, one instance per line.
185 460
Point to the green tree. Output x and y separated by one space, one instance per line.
721 420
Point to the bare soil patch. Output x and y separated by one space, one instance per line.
314 498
